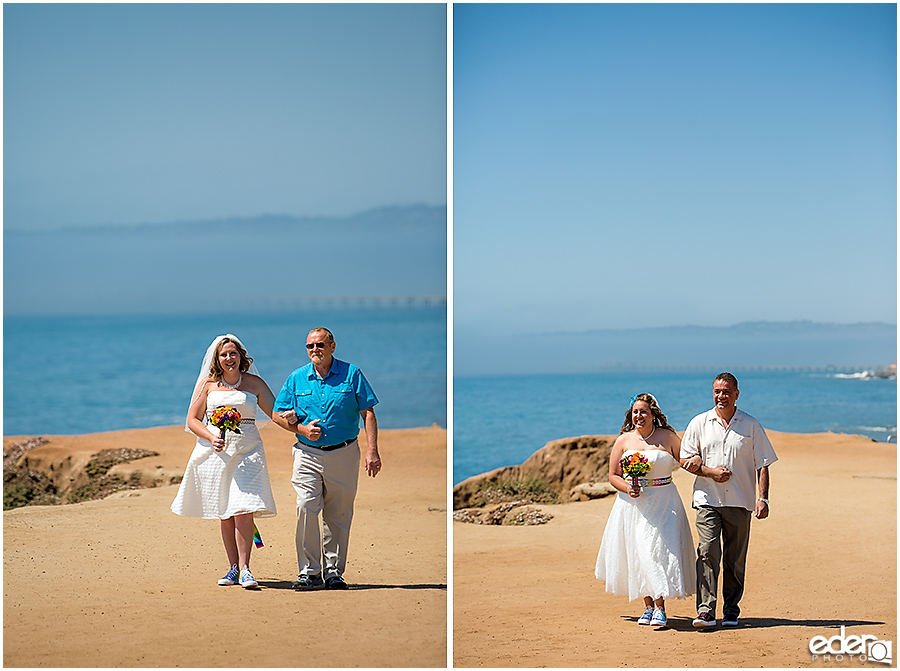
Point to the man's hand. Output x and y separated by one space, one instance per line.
692 465
311 430
289 416
373 463
762 510
719 474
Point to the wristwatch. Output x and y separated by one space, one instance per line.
766 501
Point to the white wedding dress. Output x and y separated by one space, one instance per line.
647 548
219 485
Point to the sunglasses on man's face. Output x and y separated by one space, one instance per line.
316 345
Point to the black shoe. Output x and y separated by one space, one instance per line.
704 620
308 582
335 582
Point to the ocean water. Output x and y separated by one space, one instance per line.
501 421
76 375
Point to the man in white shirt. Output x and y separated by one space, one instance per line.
730 453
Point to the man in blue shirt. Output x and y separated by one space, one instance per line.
322 403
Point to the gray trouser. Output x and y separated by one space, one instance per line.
325 483
732 525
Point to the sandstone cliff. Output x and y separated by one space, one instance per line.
575 469
42 471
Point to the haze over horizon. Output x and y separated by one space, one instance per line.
866 346
395 253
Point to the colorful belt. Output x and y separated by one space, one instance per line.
658 482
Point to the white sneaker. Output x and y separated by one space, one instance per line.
659 618
231 577
704 620
647 616
247 580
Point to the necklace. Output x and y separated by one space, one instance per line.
234 386
648 437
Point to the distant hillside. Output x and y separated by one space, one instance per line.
757 344
204 266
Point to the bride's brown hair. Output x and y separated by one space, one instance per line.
659 419
215 368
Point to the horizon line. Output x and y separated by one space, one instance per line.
700 326
278 304
56 228
695 368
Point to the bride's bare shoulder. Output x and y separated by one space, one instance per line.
622 441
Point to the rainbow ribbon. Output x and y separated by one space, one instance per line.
257 539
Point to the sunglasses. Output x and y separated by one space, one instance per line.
317 345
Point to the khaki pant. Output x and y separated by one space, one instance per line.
325 483
732 525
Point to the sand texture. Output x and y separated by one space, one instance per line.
826 557
124 582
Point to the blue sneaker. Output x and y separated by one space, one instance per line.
647 616
659 618
231 577
247 580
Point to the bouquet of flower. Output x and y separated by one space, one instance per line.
635 465
225 418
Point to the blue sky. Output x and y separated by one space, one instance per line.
645 165
146 113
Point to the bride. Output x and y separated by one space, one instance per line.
226 477
646 548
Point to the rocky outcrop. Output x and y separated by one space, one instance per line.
513 513
888 372
52 475
571 469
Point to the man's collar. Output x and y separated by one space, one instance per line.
736 417
313 373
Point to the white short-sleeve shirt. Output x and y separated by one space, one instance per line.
743 448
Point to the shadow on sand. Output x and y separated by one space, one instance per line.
685 624
286 584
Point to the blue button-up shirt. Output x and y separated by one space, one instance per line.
336 400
